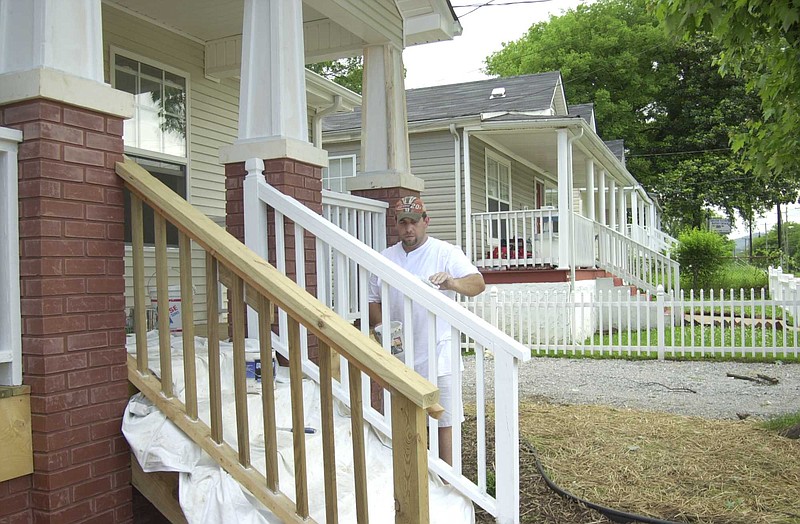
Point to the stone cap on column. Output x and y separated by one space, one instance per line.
271 148
381 180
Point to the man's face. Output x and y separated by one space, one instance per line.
412 233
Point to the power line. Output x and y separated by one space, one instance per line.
672 153
476 8
514 2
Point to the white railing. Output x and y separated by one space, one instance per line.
635 263
10 322
363 218
506 239
343 263
652 238
616 323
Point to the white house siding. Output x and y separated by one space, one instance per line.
213 121
432 160
522 185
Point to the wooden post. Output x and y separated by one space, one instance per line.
410 460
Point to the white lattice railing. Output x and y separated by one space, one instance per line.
343 263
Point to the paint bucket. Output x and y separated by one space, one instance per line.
174 307
396 333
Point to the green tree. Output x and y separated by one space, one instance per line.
768 251
347 72
665 98
701 254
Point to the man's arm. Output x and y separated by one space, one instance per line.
374 313
469 285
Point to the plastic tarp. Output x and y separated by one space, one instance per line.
209 494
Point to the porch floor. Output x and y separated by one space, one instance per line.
535 275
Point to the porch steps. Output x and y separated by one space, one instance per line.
161 489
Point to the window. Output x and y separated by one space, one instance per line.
156 135
159 120
339 169
498 190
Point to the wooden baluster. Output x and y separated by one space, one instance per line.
139 311
239 381
410 461
162 286
268 391
187 318
212 314
328 436
298 419
359 454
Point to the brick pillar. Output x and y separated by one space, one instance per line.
390 195
296 179
72 286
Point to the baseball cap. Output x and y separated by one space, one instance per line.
410 207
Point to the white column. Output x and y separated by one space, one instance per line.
564 199
613 214
652 215
63 35
384 127
634 207
601 196
590 213
623 210
272 91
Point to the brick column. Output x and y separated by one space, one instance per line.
297 179
72 285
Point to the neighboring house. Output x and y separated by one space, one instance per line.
191 89
516 176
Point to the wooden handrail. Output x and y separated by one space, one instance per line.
256 273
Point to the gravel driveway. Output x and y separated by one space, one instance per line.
685 388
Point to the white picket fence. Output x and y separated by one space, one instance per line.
618 323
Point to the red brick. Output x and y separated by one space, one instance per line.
32 110
87 341
60 479
52 131
53 248
42 345
119 463
41 306
90 414
115 267
111 249
103 430
83 119
36 287
119 373
124 514
84 192
115 232
80 155
103 518
14 504
39 188
39 267
37 228
39 149
59 402
115 197
67 438
90 451
75 513
113 499
120 445
50 500
55 170
87 377
106 320
51 461
85 304
105 213
59 324
278 165
104 142
43 385
49 423
114 126
51 208
116 303
85 266
110 392
54 363
107 357
109 285
84 230
19 484
91 488
103 177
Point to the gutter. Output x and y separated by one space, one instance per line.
316 121
457 181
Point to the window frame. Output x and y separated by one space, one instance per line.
326 171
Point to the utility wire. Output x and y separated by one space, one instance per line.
476 8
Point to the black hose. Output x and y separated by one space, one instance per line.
614 514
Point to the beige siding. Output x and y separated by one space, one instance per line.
432 159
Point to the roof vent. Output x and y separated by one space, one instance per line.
498 92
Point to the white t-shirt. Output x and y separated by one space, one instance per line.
433 256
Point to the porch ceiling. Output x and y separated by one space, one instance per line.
537 148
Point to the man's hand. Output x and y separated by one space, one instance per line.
469 285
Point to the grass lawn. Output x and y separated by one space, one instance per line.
670 467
